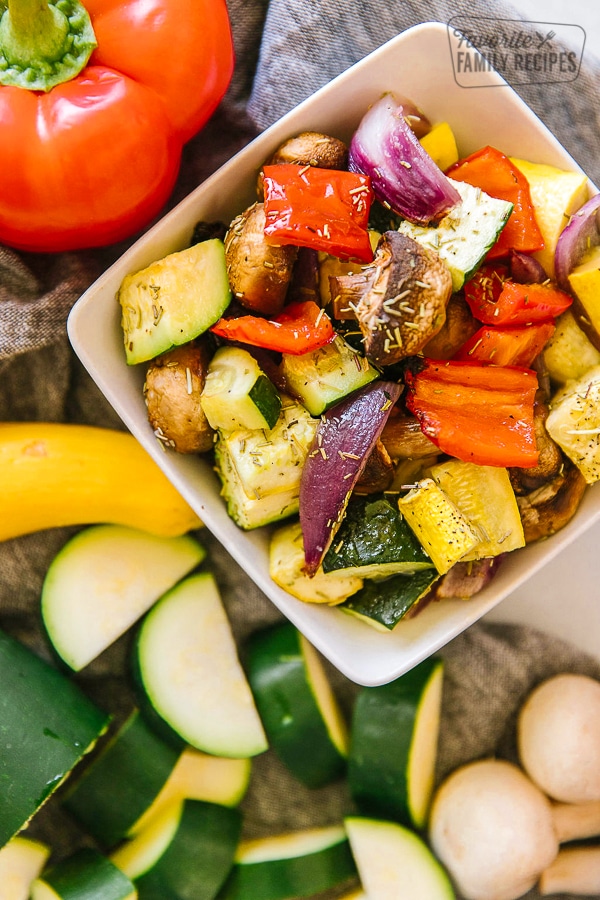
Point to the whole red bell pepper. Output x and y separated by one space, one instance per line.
507 346
95 109
496 300
326 209
477 413
299 328
494 173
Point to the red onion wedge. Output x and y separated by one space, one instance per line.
345 437
581 235
403 175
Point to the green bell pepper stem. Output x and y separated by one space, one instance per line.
44 43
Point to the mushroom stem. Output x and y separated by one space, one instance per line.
574 821
576 870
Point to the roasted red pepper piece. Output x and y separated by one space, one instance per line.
496 300
494 173
299 328
477 413
509 346
90 145
325 209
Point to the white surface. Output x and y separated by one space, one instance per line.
416 64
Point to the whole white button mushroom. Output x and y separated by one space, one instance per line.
492 828
558 734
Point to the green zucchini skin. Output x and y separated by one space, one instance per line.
86 875
199 858
375 541
293 877
46 726
121 782
382 735
384 603
290 714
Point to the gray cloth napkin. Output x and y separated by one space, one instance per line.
285 50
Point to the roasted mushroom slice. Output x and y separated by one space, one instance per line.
403 438
378 473
174 382
459 326
549 508
259 273
550 459
399 299
310 148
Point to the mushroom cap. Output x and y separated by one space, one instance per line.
174 382
558 734
492 828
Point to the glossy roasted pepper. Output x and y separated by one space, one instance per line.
507 346
474 412
496 300
95 106
494 173
326 209
299 328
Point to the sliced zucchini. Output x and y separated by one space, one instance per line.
200 776
173 300
286 568
138 854
321 378
466 233
485 496
382 604
103 580
393 747
287 866
374 541
569 353
21 861
446 535
394 863
187 666
122 782
46 726
185 853
574 423
300 713
260 472
85 874
237 393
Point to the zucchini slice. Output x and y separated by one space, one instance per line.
485 496
322 377
237 393
173 300
122 782
394 863
46 726
200 776
21 861
299 711
374 541
198 858
187 667
382 604
103 580
287 866
140 853
574 423
393 747
260 473
445 533
85 874
465 234
286 568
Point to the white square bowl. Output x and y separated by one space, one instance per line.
416 64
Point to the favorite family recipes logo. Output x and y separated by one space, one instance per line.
521 52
